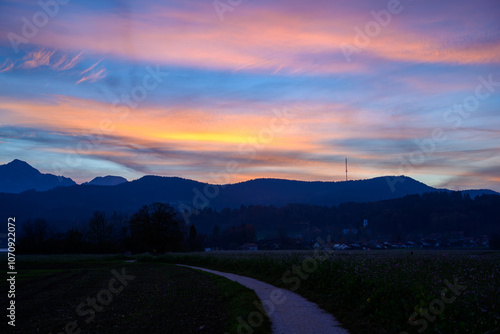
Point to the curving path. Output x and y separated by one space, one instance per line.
289 313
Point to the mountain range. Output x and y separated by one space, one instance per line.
29 194
18 176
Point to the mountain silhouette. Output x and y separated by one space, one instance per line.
18 176
280 192
108 180
66 206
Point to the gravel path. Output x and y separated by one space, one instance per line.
289 312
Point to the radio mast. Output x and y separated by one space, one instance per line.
346 169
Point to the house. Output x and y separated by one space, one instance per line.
249 247
350 231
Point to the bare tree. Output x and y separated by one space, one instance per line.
100 229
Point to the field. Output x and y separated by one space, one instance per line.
96 294
380 291
367 291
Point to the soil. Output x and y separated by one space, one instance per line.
160 299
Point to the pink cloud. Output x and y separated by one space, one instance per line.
91 67
268 39
6 66
45 57
37 58
93 76
65 64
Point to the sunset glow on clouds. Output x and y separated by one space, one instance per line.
283 89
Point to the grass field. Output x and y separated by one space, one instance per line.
380 291
99 294
369 292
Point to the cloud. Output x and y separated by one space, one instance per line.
278 38
58 62
37 58
6 66
91 67
50 58
66 63
477 178
93 76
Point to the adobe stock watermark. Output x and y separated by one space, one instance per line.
372 29
31 26
436 306
295 276
120 110
309 265
256 318
247 150
223 6
103 298
454 116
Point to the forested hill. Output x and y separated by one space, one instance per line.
68 205
437 212
64 207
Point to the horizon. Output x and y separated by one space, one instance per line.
248 180
254 90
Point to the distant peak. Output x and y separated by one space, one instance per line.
18 162
20 165
108 180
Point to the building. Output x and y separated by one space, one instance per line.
249 247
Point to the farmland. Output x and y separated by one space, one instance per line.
103 294
397 291
380 291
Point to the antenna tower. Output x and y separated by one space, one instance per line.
346 169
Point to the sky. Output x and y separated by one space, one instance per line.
226 91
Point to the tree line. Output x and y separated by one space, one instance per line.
155 228
159 227
437 212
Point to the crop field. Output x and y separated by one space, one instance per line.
379 291
96 294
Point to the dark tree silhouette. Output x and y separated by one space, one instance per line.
73 241
193 236
495 240
156 228
100 232
34 236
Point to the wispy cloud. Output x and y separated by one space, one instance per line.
49 58
90 68
37 58
93 76
66 63
57 61
281 37
6 66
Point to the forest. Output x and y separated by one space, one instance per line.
159 227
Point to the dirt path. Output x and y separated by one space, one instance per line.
289 312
